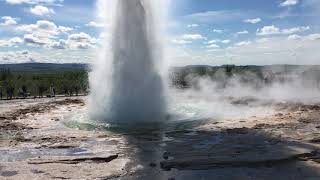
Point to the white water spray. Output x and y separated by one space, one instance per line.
126 86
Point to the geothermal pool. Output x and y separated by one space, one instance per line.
185 108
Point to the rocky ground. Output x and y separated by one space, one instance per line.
37 143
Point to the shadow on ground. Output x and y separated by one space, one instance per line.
239 153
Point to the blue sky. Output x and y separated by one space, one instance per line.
210 32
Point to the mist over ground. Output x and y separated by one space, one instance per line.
243 91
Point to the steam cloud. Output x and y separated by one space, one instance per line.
126 85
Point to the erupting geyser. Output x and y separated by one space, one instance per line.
129 89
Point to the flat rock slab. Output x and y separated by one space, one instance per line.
282 153
73 160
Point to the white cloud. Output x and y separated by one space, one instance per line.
16 56
289 3
74 41
294 37
51 2
80 37
268 30
11 42
187 39
226 41
41 26
95 24
180 41
217 30
310 37
61 44
212 41
8 21
216 16
42 33
253 21
16 40
64 29
40 10
193 37
213 46
262 51
295 30
33 39
47 56
243 43
44 28
273 30
243 32
313 37
80 41
193 25
84 46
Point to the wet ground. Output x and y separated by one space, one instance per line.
38 142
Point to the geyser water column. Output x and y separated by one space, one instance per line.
136 85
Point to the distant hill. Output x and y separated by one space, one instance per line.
44 66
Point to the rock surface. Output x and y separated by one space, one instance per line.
35 143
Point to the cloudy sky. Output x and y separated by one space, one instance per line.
210 32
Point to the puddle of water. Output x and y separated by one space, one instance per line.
27 153
78 152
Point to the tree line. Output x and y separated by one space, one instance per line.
38 84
